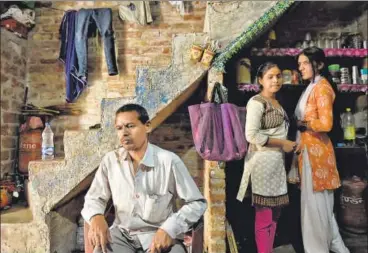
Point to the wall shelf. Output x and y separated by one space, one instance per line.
255 87
353 87
340 87
330 52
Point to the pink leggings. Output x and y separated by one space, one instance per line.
265 227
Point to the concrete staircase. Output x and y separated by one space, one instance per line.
55 183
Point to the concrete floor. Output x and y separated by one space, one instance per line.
16 214
284 249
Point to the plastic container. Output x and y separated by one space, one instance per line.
348 125
355 75
287 76
47 143
364 76
365 63
243 71
334 70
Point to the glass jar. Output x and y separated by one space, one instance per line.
334 70
287 76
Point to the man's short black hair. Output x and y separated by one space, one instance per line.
142 112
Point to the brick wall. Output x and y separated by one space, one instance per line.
175 134
136 46
13 80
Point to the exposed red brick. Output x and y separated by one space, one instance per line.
50 28
5 155
17 61
22 73
16 105
43 36
128 51
221 197
166 50
220 183
48 61
4 78
6 167
58 139
8 129
16 83
47 44
218 210
160 26
8 142
10 117
193 17
5 105
220 233
12 70
160 42
6 54
217 247
46 76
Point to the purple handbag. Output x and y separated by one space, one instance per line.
218 129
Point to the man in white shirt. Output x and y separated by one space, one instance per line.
143 181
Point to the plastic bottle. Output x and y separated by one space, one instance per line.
349 128
47 143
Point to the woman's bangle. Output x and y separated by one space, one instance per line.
303 127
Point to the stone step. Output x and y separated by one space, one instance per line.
160 91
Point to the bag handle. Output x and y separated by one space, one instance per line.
217 90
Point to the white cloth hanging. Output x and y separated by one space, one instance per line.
138 12
24 16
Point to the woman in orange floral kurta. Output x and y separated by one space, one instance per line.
318 115
317 163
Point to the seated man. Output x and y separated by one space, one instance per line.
143 181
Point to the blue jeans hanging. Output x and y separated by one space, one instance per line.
74 85
103 19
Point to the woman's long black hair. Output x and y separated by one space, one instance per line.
316 56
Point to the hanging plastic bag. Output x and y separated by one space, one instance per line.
218 128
